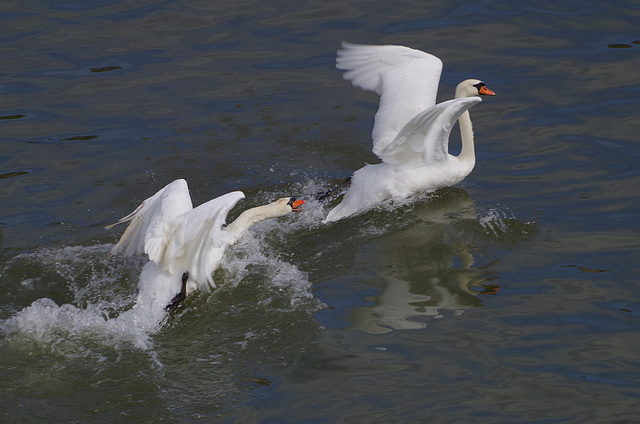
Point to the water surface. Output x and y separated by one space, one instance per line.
512 297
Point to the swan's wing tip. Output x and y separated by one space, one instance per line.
232 198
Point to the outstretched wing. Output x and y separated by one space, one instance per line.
426 137
147 229
406 80
198 240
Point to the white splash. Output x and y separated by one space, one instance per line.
99 317
493 221
283 276
102 310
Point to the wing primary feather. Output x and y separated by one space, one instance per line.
198 241
405 79
427 133
168 202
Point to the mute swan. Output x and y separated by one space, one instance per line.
411 133
185 245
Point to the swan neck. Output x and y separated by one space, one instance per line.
250 217
466 132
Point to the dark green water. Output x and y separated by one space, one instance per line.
512 298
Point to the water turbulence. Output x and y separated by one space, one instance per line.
85 298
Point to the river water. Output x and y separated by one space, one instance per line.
511 298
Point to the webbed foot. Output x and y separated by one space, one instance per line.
334 191
182 295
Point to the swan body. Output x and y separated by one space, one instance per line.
186 243
411 133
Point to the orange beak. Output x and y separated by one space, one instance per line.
296 205
484 90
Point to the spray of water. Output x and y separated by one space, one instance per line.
121 302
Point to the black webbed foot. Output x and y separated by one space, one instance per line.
182 295
334 191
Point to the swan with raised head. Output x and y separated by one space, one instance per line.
410 133
185 244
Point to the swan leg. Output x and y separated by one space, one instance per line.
180 296
324 196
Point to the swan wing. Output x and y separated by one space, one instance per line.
198 240
147 230
406 80
425 139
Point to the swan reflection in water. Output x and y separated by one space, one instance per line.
428 268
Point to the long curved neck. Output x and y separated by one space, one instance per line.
250 217
468 153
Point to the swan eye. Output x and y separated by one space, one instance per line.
290 202
479 85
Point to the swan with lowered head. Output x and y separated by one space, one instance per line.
185 244
410 133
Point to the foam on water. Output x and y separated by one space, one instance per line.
100 309
283 276
96 310
494 220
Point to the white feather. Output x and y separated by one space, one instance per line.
411 133
178 238
424 140
147 233
406 80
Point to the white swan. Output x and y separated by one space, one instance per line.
185 245
411 133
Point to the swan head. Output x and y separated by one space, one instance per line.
472 87
286 205
296 205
